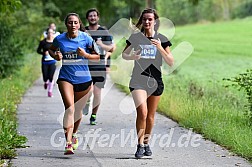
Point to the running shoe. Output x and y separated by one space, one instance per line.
147 150
140 151
68 149
75 142
93 119
49 94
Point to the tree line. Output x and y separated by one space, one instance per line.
23 21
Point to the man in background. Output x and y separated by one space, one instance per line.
98 69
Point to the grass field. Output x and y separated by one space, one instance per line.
220 49
195 95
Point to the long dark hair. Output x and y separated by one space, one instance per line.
156 17
82 27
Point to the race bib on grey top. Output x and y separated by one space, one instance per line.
148 51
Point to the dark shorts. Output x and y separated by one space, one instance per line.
77 87
98 77
150 85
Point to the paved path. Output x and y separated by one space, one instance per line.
113 146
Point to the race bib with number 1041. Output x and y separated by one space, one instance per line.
148 51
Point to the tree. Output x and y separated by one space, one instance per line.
9 6
51 10
149 3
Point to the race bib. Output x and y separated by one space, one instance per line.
70 55
148 51
71 58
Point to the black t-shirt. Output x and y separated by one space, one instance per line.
151 59
106 38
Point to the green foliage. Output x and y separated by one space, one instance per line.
10 43
244 82
180 12
194 2
191 11
30 23
9 6
51 10
208 10
243 10
11 50
110 10
9 137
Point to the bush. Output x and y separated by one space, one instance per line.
243 10
11 56
244 82
9 138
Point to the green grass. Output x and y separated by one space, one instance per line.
195 95
216 114
12 89
221 50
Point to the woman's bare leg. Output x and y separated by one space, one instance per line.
80 100
67 94
152 103
97 99
140 97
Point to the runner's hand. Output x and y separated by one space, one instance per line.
136 55
81 52
99 41
156 42
58 55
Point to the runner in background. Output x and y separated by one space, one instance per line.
98 70
51 26
47 62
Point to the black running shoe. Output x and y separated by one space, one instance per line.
147 150
140 151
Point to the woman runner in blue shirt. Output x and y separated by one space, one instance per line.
74 48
